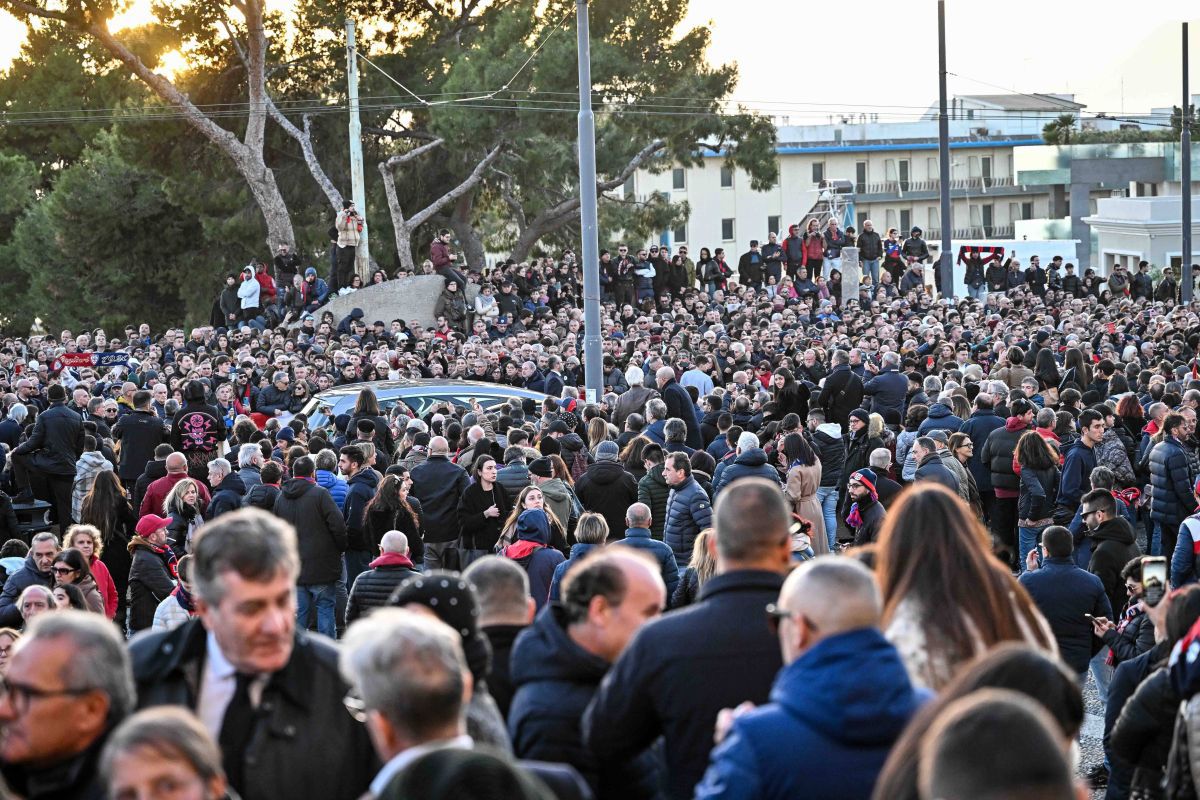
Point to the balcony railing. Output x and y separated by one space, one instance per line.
974 232
895 187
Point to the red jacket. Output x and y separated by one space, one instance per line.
157 491
439 254
268 285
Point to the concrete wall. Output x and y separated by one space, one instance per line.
411 299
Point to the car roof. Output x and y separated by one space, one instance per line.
410 386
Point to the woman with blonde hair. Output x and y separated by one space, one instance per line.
87 540
182 506
702 567
945 599
597 432
531 497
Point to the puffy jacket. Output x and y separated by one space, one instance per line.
17 582
320 530
56 441
533 552
439 485
653 491
747 464
932 469
978 427
831 449
555 680
640 539
227 497
870 246
865 702
689 511
1170 483
262 496
1064 594
362 488
1039 488
514 477
609 490
1112 453
887 390
335 485
373 588
998 454
1113 547
940 418
150 581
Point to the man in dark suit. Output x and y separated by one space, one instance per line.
44 465
139 432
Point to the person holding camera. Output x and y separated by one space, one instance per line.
349 229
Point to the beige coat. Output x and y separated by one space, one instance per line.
801 489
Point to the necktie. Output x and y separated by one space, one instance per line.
237 727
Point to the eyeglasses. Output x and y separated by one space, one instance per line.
20 695
1086 513
776 614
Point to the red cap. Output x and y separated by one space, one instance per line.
151 523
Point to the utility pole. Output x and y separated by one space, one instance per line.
945 257
358 191
590 257
1185 164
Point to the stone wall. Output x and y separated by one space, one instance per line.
410 299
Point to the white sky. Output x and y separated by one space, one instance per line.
1113 55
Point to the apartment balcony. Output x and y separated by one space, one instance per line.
975 232
889 191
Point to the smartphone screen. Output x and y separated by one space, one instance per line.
1154 578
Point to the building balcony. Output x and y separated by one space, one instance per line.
975 232
935 185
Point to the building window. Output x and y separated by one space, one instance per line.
818 171
727 230
889 216
989 219
773 223
905 221
726 178
985 166
1027 210
859 218
860 177
904 164
680 234
935 221
629 187
677 178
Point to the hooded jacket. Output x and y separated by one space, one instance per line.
533 552
320 530
1113 545
609 490
831 449
843 733
555 680
90 465
654 491
362 488
372 588
558 497
747 464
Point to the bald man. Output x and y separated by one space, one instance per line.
843 693
156 493
439 484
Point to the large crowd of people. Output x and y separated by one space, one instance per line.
802 545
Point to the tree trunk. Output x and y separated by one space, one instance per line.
468 237
400 226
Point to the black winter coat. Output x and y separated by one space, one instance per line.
19 581
139 432
361 488
480 532
226 497
932 470
304 743
1113 546
56 441
832 452
150 581
680 405
320 529
607 489
998 456
555 680
1142 735
373 588
887 390
439 485
841 394
1039 488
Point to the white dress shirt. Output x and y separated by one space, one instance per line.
402 759
218 685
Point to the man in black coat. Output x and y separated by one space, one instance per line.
373 587
505 609
679 405
44 464
139 432
842 392
1113 543
439 484
298 741
154 470
228 489
361 482
651 693
321 531
930 468
608 489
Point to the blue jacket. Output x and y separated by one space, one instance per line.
749 464
887 390
940 418
837 710
555 679
361 489
1064 593
533 552
338 488
578 551
978 426
1170 483
1185 566
689 511
1076 475
640 539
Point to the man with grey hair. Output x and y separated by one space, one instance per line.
750 461
373 587
273 400
656 421
887 489
35 570
634 399
227 486
68 685
505 609
675 436
835 657
679 404
250 461
269 694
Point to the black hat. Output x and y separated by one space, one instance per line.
542 467
861 415
558 426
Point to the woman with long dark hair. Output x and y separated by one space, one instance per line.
1039 489
106 508
1045 369
790 395
393 509
71 567
367 407
932 546
482 510
803 470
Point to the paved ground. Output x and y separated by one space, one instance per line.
1091 737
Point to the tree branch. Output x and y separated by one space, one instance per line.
465 186
416 152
